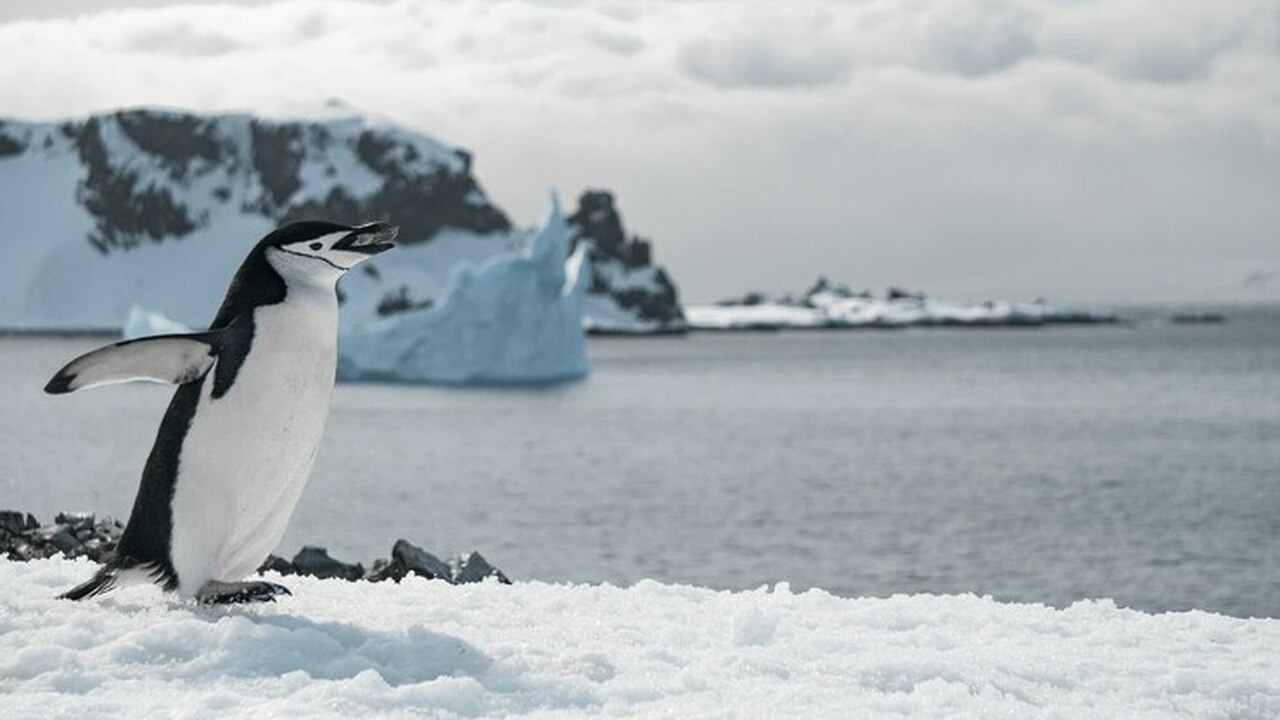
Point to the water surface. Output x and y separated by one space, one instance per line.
1140 463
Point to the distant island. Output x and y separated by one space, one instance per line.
828 305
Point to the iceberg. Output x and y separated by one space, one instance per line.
144 323
515 318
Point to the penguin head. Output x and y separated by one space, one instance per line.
323 251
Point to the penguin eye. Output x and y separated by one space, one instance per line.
316 246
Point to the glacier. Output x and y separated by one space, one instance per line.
513 318
425 648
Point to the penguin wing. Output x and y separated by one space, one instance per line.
173 359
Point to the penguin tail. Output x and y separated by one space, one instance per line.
102 581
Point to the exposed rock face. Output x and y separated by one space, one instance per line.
630 293
117 200
152 175
155 208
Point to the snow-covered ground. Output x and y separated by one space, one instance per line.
427 649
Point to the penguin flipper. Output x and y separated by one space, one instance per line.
176 359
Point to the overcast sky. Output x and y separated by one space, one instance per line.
1105 151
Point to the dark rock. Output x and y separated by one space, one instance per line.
598 222
10 145
409 559
400 300
75 521
315 561
82 535
278 564
205 159
896 293
14 522
65 541
126 210
474 568
421 203
419 561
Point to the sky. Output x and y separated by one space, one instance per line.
1097 151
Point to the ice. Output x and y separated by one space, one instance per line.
420 648
514 318
143 323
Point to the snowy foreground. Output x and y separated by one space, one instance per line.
428 649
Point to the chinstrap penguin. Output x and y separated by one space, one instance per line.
236 445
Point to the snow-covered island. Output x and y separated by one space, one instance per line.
427 648
156 208
828 305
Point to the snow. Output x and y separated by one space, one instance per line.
836 309
763 316
54 278
422 648
602 314
515 318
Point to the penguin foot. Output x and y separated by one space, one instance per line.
216 592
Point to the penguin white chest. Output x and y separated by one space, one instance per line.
248 453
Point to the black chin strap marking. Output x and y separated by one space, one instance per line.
314 257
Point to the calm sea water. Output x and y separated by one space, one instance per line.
1139 463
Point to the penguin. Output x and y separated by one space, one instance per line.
236 445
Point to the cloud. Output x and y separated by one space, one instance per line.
923 141
757 62
177 39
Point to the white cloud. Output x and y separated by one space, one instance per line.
920 142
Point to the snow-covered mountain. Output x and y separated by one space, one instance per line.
628 293
156 208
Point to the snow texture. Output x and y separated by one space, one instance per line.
428 649
515 318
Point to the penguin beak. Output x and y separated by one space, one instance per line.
369 239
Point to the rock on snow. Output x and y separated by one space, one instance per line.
515 318
430 649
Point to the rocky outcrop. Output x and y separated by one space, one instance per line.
75 534
156 176
72 534
156 208
628 293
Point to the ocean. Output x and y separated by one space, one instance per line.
1137 462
